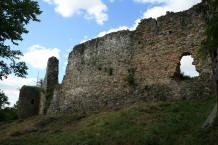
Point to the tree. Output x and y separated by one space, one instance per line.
209 47
3 100
15 107
9 113
39 83
14 15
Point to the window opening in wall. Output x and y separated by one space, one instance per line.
187 69
32 101
215 54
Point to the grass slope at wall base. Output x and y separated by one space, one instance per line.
160 123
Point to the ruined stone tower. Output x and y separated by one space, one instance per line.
51 77
34 100
29 101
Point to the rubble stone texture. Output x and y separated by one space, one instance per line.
51 77
29 100
32 100
126 67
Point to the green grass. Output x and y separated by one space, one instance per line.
163 123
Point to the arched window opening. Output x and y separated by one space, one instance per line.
32 101
187 69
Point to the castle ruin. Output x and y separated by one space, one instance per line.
35 100
127 67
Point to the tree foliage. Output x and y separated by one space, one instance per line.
209 47
14 15
211 43
3 100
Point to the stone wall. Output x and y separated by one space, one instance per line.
35 100
29 101
125 67
51 76
50 82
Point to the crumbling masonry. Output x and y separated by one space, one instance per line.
36 100
127 67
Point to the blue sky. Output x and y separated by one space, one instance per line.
66 23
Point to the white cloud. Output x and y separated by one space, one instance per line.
91 9
85 38
101 34
156 12
37 56
11 87
135 24
187 67
112 30
170 5
111 1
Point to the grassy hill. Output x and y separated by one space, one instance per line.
161 123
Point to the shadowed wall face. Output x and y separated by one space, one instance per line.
29 101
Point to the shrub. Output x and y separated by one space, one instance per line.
110 71
99 67
8 114
131 77
185 77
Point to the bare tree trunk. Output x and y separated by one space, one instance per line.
213 117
